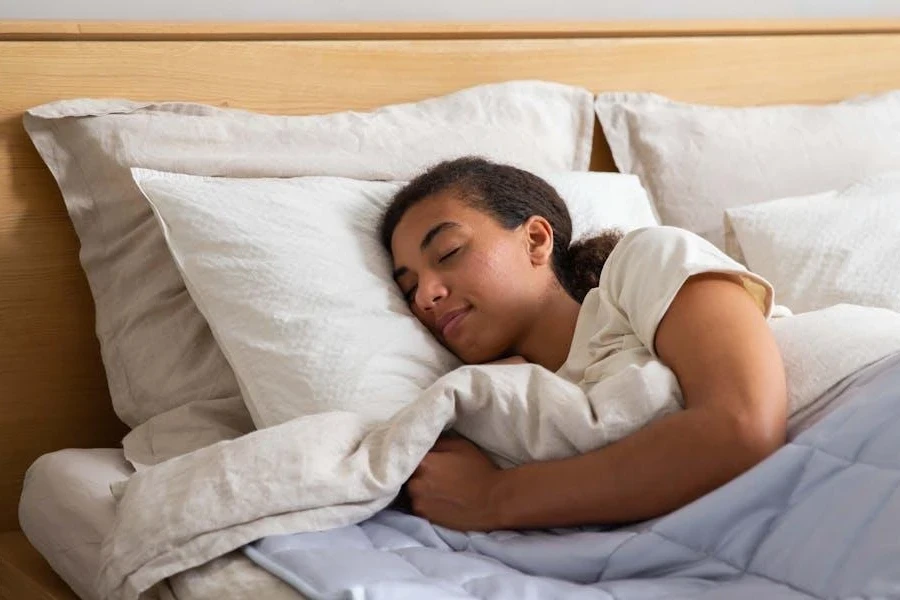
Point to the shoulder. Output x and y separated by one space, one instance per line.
649 266
663 240
664 249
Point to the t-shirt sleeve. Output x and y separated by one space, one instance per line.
648 266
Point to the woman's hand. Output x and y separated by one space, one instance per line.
456 485
717 342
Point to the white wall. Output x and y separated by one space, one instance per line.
387 10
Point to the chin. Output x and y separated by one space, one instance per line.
474 357
467 357
474 349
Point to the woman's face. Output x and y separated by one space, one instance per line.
475 285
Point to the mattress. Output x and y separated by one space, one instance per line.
66 510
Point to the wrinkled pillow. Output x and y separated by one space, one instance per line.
167 377
696 161
299 292
838 247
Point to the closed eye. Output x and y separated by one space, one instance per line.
410 295
448 255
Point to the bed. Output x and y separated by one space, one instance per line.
54 392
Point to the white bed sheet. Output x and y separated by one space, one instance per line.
67 509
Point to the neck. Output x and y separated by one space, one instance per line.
548 341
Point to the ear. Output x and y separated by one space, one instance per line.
538 240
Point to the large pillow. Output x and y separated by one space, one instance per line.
695 161
167 377
825 249
299 293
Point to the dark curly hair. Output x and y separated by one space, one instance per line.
511 196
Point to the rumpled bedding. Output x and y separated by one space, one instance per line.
334 470
819 519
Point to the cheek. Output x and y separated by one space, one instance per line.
499 275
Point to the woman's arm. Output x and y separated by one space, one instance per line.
718 344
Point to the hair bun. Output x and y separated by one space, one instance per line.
586 260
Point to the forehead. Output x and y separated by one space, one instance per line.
445 206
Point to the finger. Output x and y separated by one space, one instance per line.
428 463
419 508
416 488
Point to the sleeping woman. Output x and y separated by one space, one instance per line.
483 254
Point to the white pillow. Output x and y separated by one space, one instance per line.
599 201
825 249
696 161
167 377
298 291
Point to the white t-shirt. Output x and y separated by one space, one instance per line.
613 384
612 356
613 360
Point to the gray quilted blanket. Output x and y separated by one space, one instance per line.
818 519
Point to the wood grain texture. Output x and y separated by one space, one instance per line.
315 77
52 387
25 575
301 30
53 391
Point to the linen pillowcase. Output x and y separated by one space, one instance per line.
838 247
299 293
167 377
696 161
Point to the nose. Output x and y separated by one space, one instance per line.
431 290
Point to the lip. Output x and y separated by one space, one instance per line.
449 322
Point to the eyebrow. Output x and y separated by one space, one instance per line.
426 241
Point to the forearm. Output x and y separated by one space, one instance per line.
656 470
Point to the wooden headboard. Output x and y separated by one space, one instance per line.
53 391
